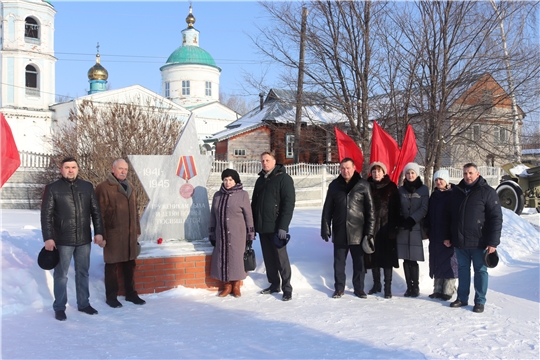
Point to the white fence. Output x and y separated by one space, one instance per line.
34 160
491 174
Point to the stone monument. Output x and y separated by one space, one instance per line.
176 186
174 225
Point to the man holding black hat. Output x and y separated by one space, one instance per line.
473 227
68 205
272 204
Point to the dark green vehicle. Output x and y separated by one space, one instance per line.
519 191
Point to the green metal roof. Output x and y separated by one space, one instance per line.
191 55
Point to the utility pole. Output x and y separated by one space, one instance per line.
300 90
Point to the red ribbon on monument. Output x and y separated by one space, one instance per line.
186 170
186 167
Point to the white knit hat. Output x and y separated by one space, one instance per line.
442 174
380 164
412 166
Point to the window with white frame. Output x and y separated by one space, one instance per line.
185 87
289 146
208 88
167 89
239 152
500 135
503 134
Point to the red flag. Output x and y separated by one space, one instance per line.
9 157
383 148
347 148
407 154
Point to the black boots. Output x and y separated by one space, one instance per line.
415 274
376 281
412 274
407 272
388 283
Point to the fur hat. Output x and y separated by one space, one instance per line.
47 260
232 173
412 166
380 164
442 174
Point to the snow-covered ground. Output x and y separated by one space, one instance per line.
196 324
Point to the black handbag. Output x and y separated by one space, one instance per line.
250 262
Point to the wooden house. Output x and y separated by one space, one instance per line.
271 127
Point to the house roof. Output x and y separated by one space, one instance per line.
380 103
279 107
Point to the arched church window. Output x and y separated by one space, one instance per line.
32 80
31 28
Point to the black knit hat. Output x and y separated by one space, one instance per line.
47 260
232 173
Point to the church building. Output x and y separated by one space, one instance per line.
190 79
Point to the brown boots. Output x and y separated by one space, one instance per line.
236 288
228 287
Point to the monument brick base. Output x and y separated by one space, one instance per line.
154 275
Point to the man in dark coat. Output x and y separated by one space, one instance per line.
272 205
348 211
68 205
118 203
473 226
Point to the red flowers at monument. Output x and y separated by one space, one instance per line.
160 241
9 158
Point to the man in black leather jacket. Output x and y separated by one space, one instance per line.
68 205
348 215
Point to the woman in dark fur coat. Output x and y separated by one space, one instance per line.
386 205
443 265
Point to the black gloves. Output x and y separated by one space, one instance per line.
213 242
325 237
249 243
212 239
408 223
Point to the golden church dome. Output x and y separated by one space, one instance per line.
190 20
98 72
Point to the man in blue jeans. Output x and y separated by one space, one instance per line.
473 226
67 207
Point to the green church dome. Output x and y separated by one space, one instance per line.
191 55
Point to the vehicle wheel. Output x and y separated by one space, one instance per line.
511 196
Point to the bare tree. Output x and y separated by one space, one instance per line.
234 102
97 134
338 56
425 63
439 54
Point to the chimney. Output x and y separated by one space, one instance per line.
261 100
